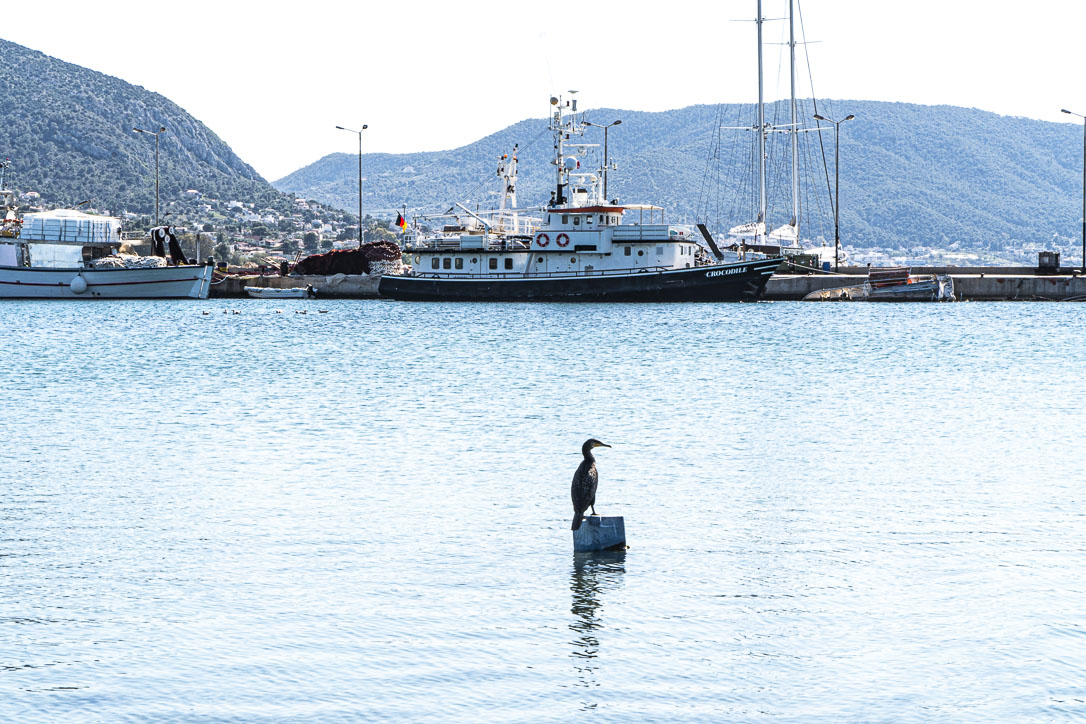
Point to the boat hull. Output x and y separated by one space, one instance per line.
925 289
742 281
276 293
171 282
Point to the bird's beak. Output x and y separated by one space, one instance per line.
603 444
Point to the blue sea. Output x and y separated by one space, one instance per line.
835 513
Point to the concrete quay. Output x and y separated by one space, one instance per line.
970 283
338 286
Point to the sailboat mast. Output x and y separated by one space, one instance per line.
795 118
761 131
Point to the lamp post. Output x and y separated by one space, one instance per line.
161 129
836 184
605 164
1083 184
359 132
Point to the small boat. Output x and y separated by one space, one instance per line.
306 292
895 284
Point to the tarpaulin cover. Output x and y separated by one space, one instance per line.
348 261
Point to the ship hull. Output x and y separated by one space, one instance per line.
172 282
738 282
728 282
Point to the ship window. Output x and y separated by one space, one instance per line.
626 250
418 259
565 218
641 252
459 263
659 250
588 219
603 219
446 263
434 263
540 260
508 263
474 260
576 220
493 263
573 260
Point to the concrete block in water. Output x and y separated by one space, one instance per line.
600 533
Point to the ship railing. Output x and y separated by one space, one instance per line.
651 232
545 275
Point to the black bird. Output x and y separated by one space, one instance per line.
583 490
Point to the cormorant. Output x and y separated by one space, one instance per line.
583 490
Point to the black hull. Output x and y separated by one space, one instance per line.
739 282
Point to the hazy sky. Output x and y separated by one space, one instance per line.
273 79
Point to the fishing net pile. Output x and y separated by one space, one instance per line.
126 261
380 257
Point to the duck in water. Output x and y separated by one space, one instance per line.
583 490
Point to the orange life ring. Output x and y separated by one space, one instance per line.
558 240
542 240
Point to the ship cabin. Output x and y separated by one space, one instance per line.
570 240
60 239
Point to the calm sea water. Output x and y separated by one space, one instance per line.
846 513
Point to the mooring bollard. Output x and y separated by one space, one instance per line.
599 533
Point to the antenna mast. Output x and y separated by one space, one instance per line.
761 132
795 119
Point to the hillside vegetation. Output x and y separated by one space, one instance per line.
911 175
68 132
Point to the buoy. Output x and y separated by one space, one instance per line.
78 285
600 533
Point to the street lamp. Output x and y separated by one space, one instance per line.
161 129
364 127
1083 184
836 184
596 125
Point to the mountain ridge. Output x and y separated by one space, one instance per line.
911 174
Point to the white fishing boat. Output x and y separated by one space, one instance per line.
67 254
306 292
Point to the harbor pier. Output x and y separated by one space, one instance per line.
970 283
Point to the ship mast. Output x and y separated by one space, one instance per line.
761 134
795 119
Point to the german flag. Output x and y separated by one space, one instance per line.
401 222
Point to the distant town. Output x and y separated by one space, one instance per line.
240 234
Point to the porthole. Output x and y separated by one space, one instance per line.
641 252
418 259
540 260
474 260
573 260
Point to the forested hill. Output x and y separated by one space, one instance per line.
68 132
910 175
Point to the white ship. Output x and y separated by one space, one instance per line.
586 247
